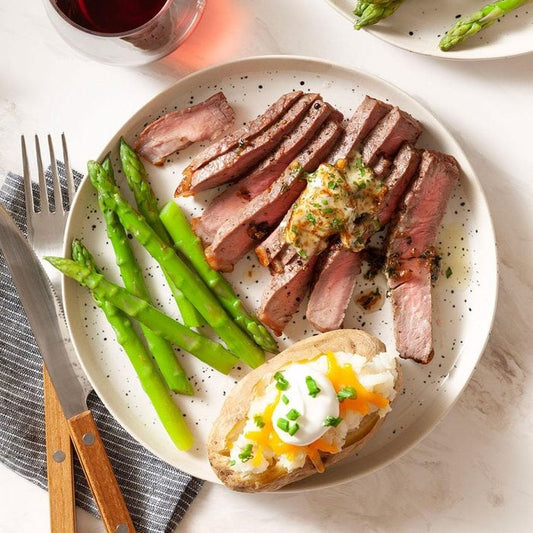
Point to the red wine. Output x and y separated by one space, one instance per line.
110 16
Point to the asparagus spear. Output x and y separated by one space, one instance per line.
371 12
132 277
485 17
208 351
184 278
188 243
151 380
147 205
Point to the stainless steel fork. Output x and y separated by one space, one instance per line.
46 228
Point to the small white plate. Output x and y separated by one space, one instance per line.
464 303
419 25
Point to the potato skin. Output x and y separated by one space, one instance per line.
235 409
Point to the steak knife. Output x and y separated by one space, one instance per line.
53 339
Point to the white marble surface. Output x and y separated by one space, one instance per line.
474 472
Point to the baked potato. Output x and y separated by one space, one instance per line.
314 404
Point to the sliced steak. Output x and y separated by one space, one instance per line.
234 163
333 289
366 116
231 202
248 131
337 264
412 310
236 237
369 112
269 249
411 256
396 128
382 167
177 130
284 294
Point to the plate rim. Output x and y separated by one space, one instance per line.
455 55
467 169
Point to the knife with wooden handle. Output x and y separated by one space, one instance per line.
53 339
59 465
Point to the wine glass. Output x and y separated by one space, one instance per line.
124 32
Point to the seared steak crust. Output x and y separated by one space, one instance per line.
248 131
234 163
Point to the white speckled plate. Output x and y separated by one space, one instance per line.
419 25
464 303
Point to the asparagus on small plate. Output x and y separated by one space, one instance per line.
485 17
368 13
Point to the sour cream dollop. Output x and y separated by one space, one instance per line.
307 407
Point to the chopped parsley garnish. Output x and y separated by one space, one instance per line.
312 387
232 462
311 218
284 399
293 414
448 273
281 382
332 185
347 393
246 454
259 422
331 421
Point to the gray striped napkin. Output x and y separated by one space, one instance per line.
157 495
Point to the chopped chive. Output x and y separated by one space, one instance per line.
232 462
331 421
311 218
293 429
312 387
448 272
283 424
284 399
347 393
259 422
281 382
246 454
293 414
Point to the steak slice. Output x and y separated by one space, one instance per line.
396 128
177 130
337 265
231 165
231 202
253 128
369 112
237 236
411 256
284 293
404 167
334 285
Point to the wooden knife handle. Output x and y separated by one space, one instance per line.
59 467
99 473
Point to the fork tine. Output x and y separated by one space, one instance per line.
56 185
43 191
28 191
71 188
